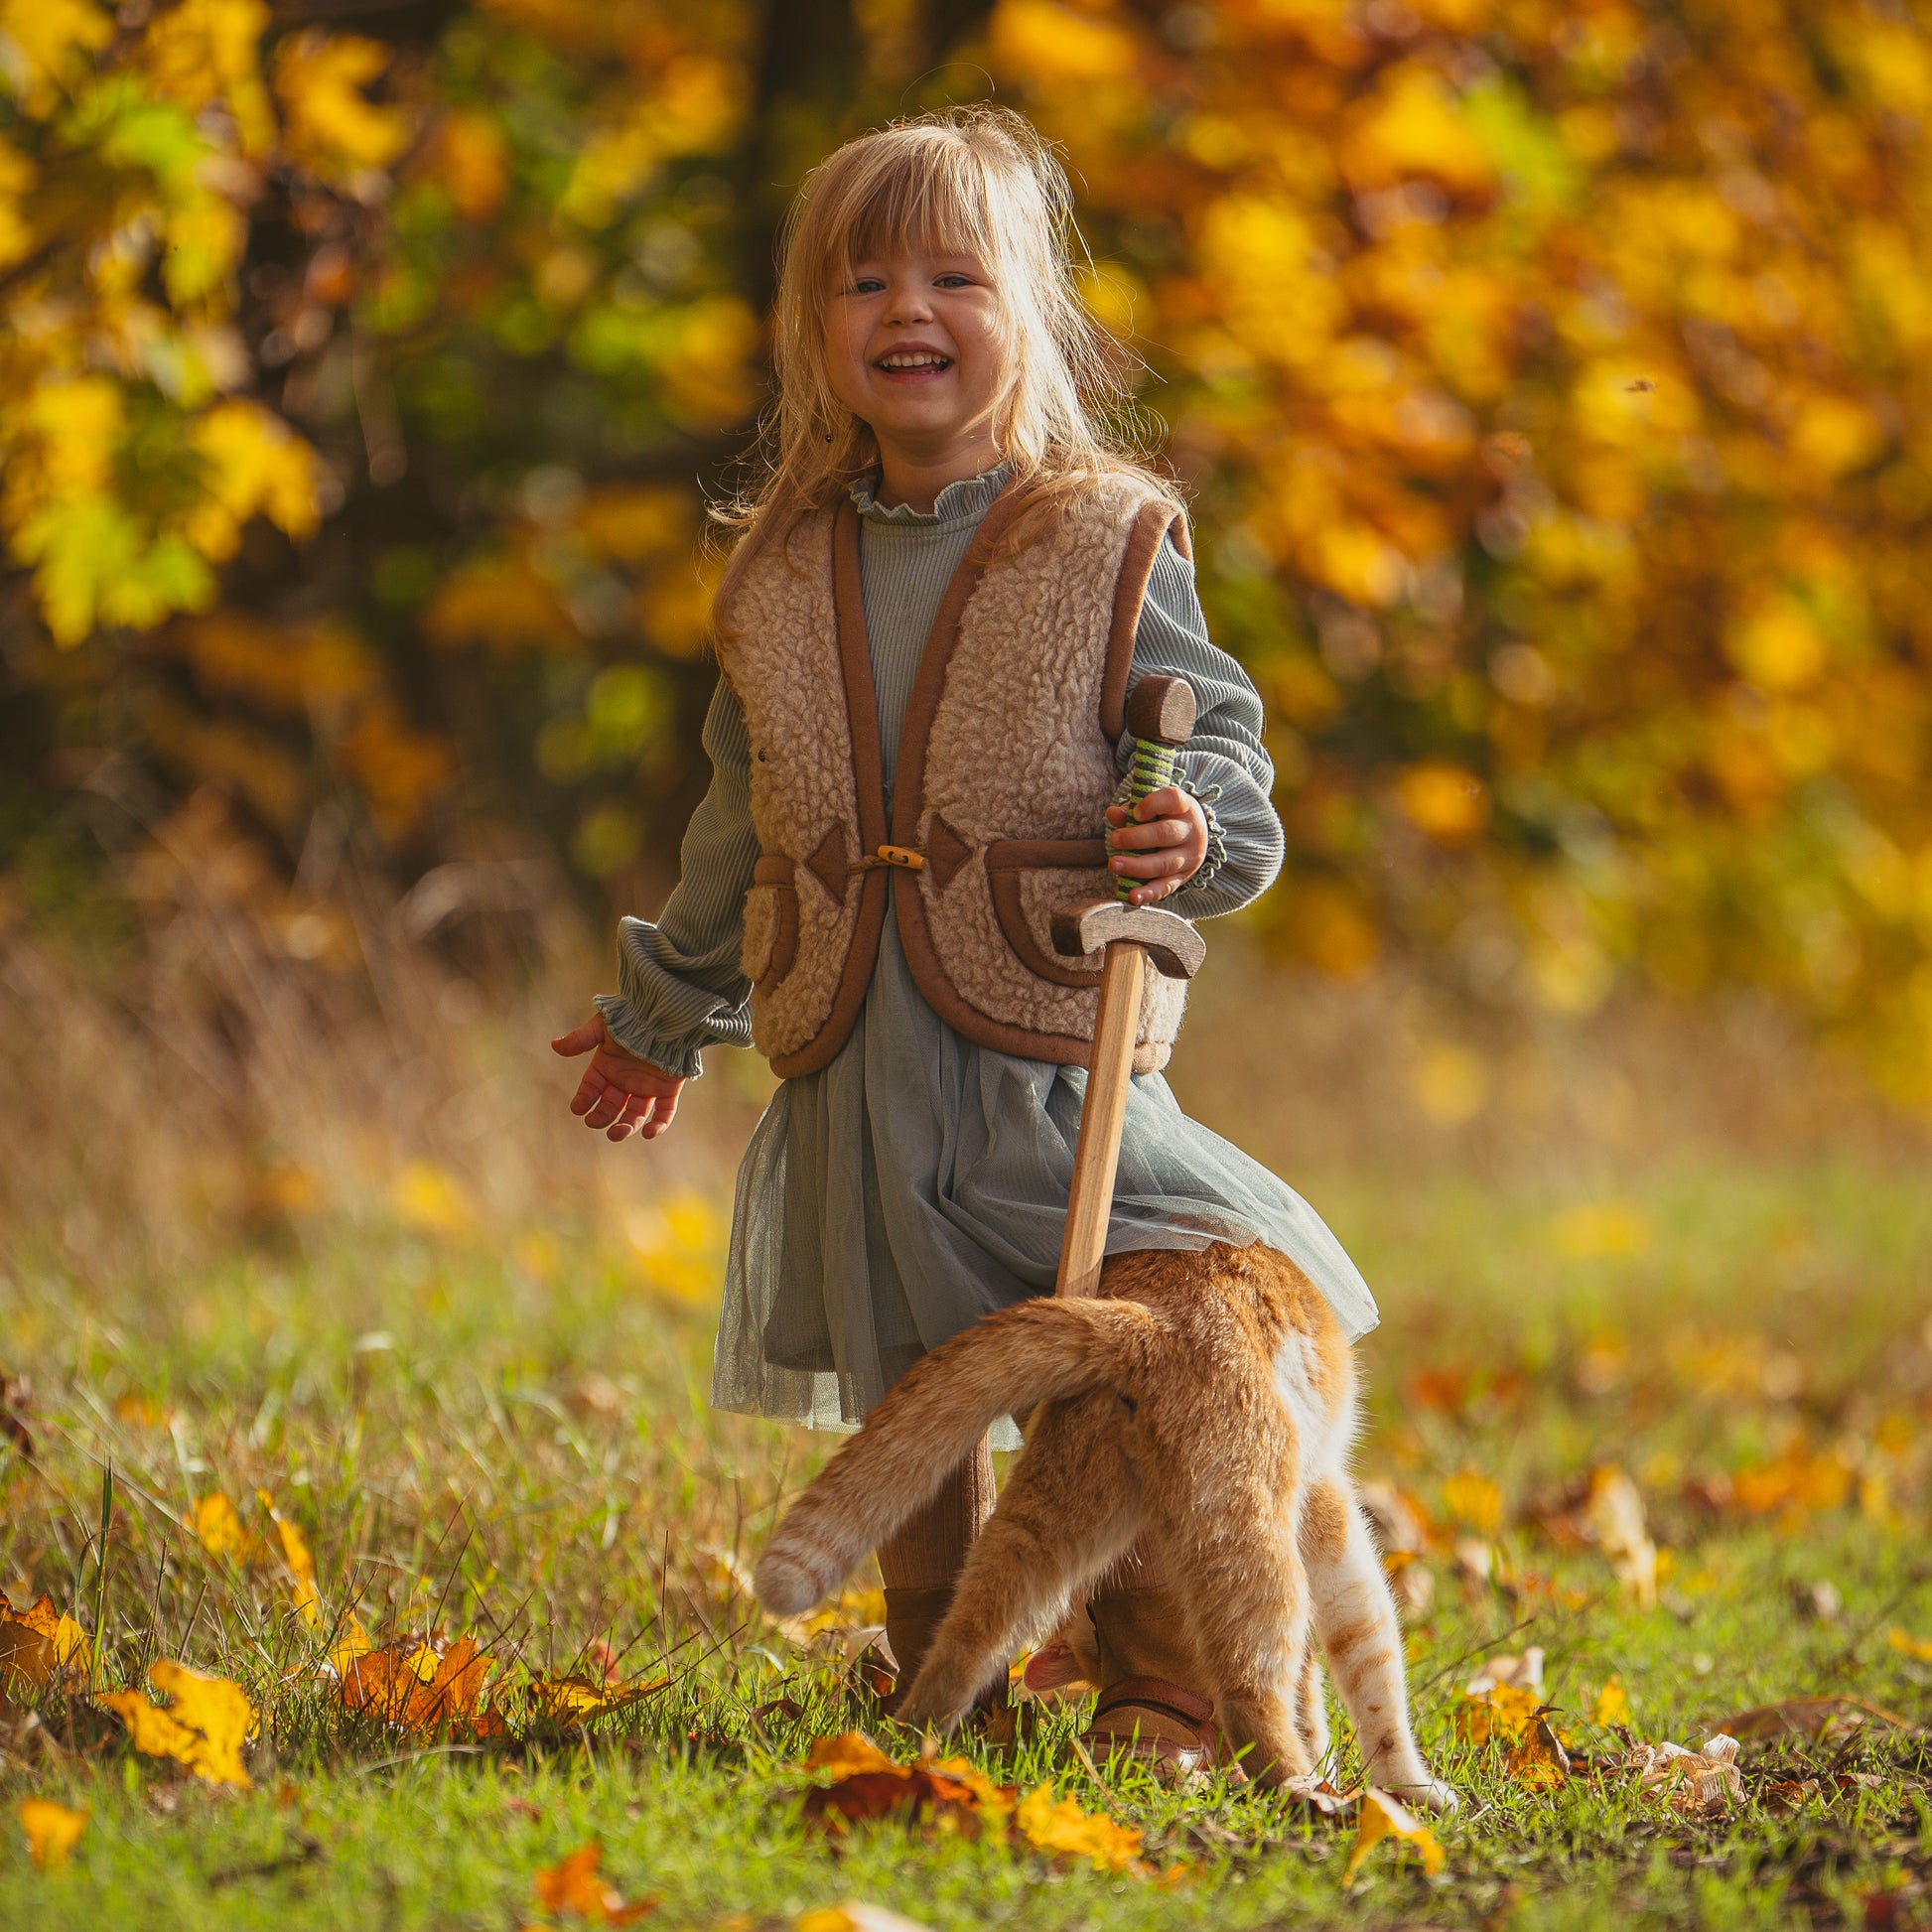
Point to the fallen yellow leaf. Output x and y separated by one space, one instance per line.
1918 1648
1474 1501
1612 1704
853 1916
295 1548
351 1641
203 1727
1503 1714
847 1756
219 1525
53 1831
1061 1826
1383 1816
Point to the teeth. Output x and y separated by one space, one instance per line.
916 361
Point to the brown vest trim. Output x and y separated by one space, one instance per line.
1004 862
867 775
945 852
1129 594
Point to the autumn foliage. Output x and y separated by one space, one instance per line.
1551 380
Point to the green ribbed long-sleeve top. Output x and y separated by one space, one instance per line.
921 1181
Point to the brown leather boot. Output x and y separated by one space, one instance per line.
921 1564
1147 1661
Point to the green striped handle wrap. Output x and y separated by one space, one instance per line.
1153 768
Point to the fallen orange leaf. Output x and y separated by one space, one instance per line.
412 1685
203 1727
1539 1759
39 1642
1383 1816
575 1887
53 1831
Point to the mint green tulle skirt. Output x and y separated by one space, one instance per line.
919 1181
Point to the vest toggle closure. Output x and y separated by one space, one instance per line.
908 855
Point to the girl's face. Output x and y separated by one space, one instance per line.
912 348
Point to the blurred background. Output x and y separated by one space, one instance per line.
1549 383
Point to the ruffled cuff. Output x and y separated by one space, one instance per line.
1217 843
684 1061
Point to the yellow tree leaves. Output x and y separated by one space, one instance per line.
255 465
203 1725
330 124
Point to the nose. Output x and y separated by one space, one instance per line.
908 300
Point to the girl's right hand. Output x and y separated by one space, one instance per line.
619 1092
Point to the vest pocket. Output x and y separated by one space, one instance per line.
771 923
1029 880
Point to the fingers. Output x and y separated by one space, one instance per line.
580 1040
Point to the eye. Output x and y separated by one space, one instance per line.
954 280
865 285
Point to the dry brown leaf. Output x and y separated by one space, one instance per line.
1696 1783
203 1726
53 1831
574 1885
1807 1717
1614 1518
1383 1816
1524 1672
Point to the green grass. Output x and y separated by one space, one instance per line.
488 1435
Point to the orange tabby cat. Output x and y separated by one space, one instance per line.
1204 1400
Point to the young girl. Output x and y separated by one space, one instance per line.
947 583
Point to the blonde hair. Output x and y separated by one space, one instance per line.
978 181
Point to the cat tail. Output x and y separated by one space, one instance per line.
930 1421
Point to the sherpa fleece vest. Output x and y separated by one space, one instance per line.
1005 769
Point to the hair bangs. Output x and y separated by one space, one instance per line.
926 195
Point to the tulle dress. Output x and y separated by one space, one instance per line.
919 1181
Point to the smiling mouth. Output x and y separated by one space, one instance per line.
914 361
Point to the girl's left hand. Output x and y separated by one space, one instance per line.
1164 843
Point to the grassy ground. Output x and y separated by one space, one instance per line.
506 1437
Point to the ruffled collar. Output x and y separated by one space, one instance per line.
965 502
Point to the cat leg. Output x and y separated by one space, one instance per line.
1355 1616
1249 1604
1312 1718
1071 1506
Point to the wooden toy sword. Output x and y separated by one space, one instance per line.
1160 715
